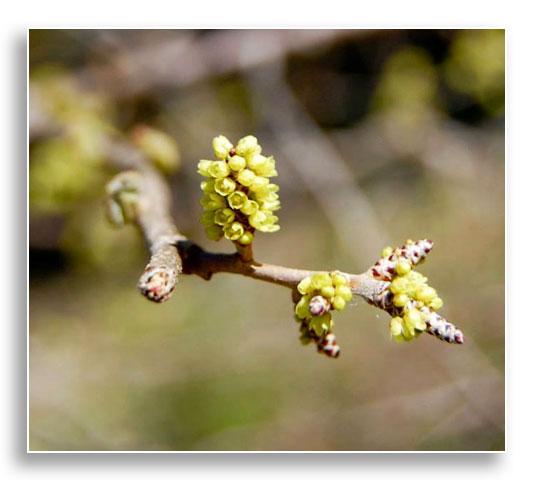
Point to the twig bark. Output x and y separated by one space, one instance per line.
204 264
152 215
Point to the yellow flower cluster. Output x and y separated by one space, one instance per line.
238 197
321 293
413 300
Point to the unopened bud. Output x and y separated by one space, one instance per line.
318 306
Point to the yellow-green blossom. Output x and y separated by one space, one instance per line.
238 190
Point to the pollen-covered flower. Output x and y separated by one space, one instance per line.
321 293
239 182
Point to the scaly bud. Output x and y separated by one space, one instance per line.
318 306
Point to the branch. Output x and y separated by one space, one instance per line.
173 254
151 198
141 195
204 264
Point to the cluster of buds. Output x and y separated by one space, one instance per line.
238 197
321 293
409 299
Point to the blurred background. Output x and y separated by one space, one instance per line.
379 136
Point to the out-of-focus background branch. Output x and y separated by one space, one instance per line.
378 135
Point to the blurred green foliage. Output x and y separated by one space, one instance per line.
67 168
476 65
408 81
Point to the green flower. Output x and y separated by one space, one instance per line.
246 177
237 163
219 169
248 146
246 239
237 200
234 231
221 147
224 186
249 207
223 216
203 167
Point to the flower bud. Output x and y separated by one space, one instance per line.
426 294
414 320
395 326
403 266
328 291
257 162
249 207
224 216
318 306
338 279
246 177
233 231
247 146
338 302
400 300
344 292
236 200
207 186
203 167
328 345
224 186
436 303
219 169
304 285
237 163
258 219
246 239
398 285
320 280
221 147
258 183
268 169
